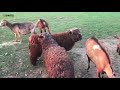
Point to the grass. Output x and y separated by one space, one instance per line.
14 60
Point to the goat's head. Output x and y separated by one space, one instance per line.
3 23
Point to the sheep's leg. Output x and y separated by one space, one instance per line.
102 73
98 74
88 63
117 49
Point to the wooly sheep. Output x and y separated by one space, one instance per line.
57 61
34 48
66 39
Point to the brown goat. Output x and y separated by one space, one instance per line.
43 25
65 39
19 28
57 60
97 54
34 48
118 45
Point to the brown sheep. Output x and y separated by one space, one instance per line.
97 54
56 59
118 45
65 39
43 25
68 39
19 28
34 50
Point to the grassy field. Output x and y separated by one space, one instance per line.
14 60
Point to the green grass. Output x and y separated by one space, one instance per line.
99 24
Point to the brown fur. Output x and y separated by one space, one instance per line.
118 45
68 39
99 57
43 25
65 39
34 48
19 28
57 60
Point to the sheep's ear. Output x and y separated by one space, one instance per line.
41 37
70 32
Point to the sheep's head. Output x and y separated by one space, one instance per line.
3 23
75 34
46 38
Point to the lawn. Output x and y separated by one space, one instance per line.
14 59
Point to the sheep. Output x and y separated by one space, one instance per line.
65 39
69 38
34 50
19 28
97 54
57 61
118 45
43 25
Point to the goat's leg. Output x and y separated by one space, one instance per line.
16 39
48 30
40 31
44 29
33 31
20 37
88 63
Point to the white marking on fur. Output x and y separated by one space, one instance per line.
73 29
96 47
1 23
44 23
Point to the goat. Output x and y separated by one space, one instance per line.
43 25
19 28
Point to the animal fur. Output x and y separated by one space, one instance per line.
65 39
68 39
57 60
118 45
97 54
43 25
34 48
19 28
